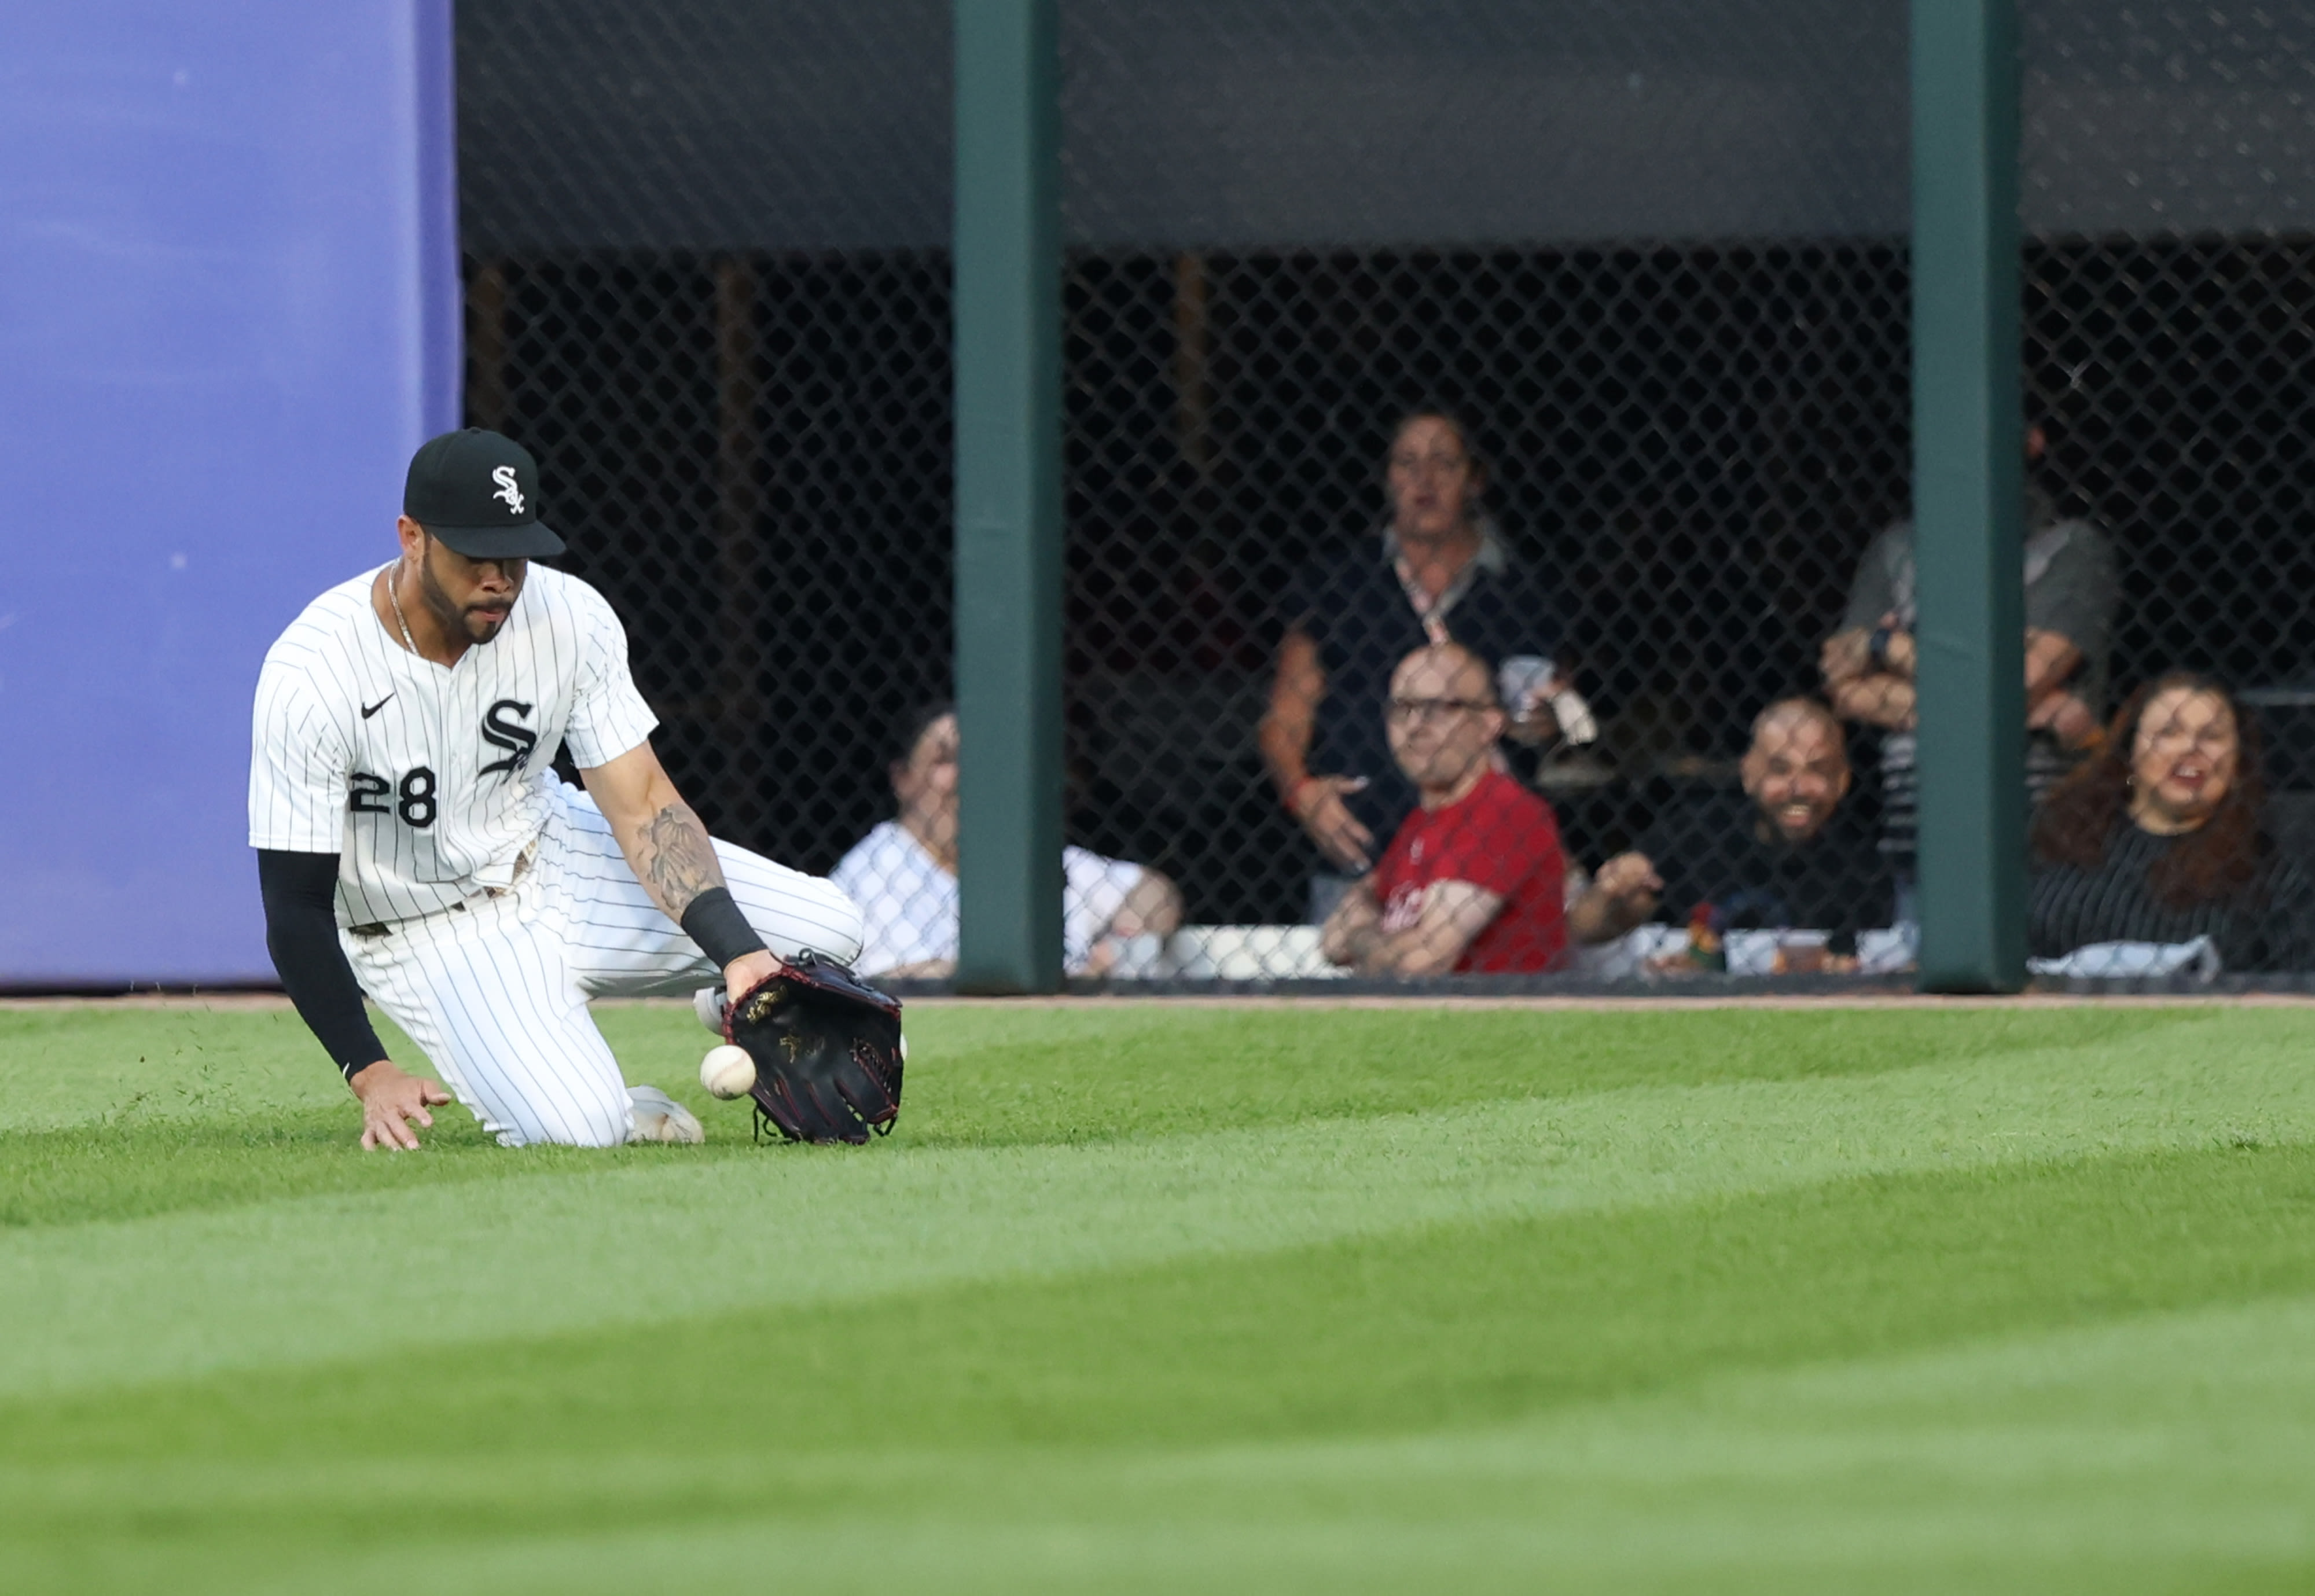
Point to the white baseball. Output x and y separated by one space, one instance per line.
727 1071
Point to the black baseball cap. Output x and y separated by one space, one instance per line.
478 493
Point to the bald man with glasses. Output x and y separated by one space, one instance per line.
1474 881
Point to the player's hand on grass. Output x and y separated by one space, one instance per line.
392 1101
1319 805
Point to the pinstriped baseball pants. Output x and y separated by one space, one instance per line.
495 990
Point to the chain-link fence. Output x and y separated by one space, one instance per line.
1645 265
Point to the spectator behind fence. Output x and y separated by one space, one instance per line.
903 875
2071 591
1474 880
1784 853
2160 837
1438 571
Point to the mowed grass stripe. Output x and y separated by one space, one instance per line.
1006 1077
313 1280
1663 1394
1516 1556
142 1112
120 1113
1036 1074
1449 1326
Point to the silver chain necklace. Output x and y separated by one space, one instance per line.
395 599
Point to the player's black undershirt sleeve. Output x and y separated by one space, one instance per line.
301 933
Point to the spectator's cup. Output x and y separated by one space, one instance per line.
1801 952
1521 680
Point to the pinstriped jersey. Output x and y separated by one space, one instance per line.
429 781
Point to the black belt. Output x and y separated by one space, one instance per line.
380 928
521 866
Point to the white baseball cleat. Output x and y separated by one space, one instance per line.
661 1118
709 1003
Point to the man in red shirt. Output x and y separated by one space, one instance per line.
1475 880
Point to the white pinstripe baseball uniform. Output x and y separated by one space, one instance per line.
482 901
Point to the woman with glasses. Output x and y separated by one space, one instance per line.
2159 838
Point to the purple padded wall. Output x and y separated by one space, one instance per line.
228 282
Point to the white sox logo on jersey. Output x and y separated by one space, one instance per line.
504 476
501 731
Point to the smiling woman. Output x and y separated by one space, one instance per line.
2162 838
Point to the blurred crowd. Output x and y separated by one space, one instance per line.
1419 674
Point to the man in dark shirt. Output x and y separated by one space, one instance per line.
1784 853
2071 594
1439 574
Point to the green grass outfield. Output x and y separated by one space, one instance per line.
1159 1298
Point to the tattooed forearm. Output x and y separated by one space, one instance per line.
674 860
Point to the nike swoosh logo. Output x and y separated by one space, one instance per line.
374 708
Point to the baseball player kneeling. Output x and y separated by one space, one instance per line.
413 842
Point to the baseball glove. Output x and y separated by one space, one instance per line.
828 1052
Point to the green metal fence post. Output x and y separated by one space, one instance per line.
1968 494
1008 495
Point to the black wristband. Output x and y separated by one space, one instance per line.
1876 648
723 932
